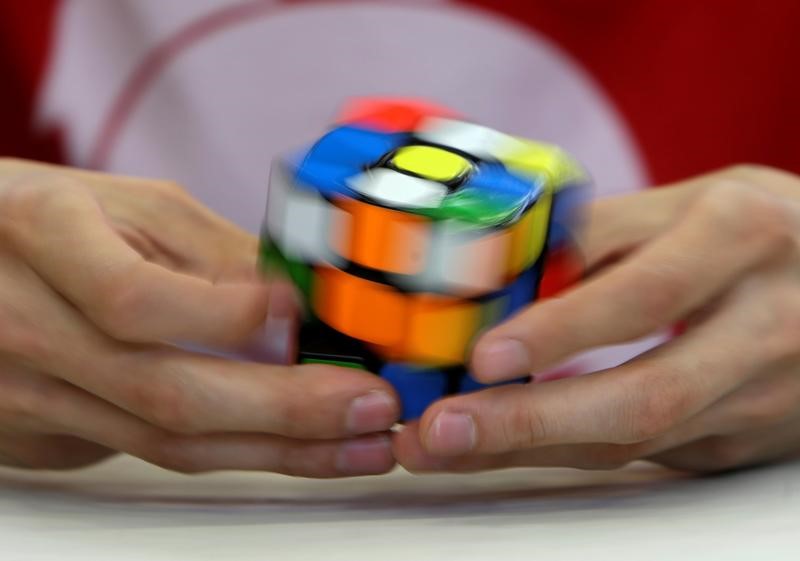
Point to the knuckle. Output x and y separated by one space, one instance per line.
173 454
744 210
759 173
300 406
117 307
26 193
769 403
525 427
656 306
22 200
32 195
723 202
20 406
723 453
166 405
172 189
27 399
609 457
778 320
171 193
20 337
656 403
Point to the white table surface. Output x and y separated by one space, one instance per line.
126 510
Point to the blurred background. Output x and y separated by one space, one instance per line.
207 92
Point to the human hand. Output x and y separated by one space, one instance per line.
100 278
719 254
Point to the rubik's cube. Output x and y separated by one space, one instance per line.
409 230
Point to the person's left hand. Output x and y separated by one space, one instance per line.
718 254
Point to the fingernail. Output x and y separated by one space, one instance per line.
279 335
372 412
365 456
274 341
502 358
451 434
283 301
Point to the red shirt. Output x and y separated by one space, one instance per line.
700 84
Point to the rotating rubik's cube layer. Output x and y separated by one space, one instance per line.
408 231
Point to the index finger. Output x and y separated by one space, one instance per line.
723 234
635 402
61 231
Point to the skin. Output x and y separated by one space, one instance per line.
717 254
102 277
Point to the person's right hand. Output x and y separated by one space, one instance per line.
100 276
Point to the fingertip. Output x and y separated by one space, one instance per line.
496 359
376 410
274 340
405 438
448 430
368 455
348 400
410 453
243 309
284 300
